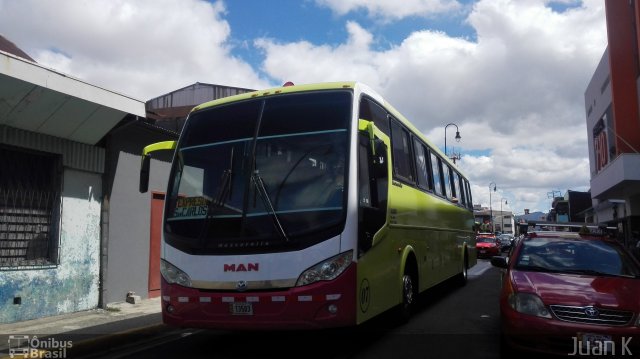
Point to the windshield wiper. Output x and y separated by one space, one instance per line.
224 188
264 195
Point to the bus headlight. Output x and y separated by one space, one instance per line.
173 274
326 270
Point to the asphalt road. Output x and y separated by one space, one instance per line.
451 322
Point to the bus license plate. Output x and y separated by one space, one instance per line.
241 308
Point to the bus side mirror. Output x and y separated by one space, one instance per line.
146 161
144 173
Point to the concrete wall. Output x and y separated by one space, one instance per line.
129 228
73 284
129 213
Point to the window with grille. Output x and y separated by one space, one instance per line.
30 184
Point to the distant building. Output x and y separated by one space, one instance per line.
502 221
613 124
11 48
570 208
169 111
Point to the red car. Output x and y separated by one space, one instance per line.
487 245
568 294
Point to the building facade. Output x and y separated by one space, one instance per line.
492 220
571 207
613 124
75 233
51 188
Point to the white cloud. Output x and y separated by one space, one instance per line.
517 91
392 10
141 48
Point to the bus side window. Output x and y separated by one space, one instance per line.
456 187
422 164
437 179
467 190
371 111
446 174
402 158
372 190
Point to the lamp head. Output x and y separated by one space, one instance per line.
458 136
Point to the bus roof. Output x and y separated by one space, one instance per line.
277 91
358 86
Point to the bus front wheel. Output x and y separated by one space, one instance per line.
463 276
409 297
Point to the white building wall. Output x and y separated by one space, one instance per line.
72 285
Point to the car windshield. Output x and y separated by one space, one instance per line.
575 256
486 240
260 175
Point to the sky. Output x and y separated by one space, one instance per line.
511 74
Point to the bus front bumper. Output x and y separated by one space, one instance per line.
322 304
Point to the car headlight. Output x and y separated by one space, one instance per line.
530 304
173 274
326 270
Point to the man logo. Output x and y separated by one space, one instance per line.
249 267
241 285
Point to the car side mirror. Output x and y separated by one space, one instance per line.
499 261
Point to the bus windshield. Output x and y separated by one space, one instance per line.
260 175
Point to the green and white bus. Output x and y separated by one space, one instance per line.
306 206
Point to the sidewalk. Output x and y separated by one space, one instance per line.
83 329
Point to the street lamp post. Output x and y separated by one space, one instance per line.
490 207
502 214
445 136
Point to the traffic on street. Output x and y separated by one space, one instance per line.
549 293
450 322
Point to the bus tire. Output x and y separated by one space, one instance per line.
464 275
409 297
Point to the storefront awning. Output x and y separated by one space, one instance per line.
42 100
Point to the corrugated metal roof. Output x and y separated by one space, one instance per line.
190 96
74 155
42 100
10 47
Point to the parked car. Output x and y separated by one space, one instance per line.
487 245
565 293
506 240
